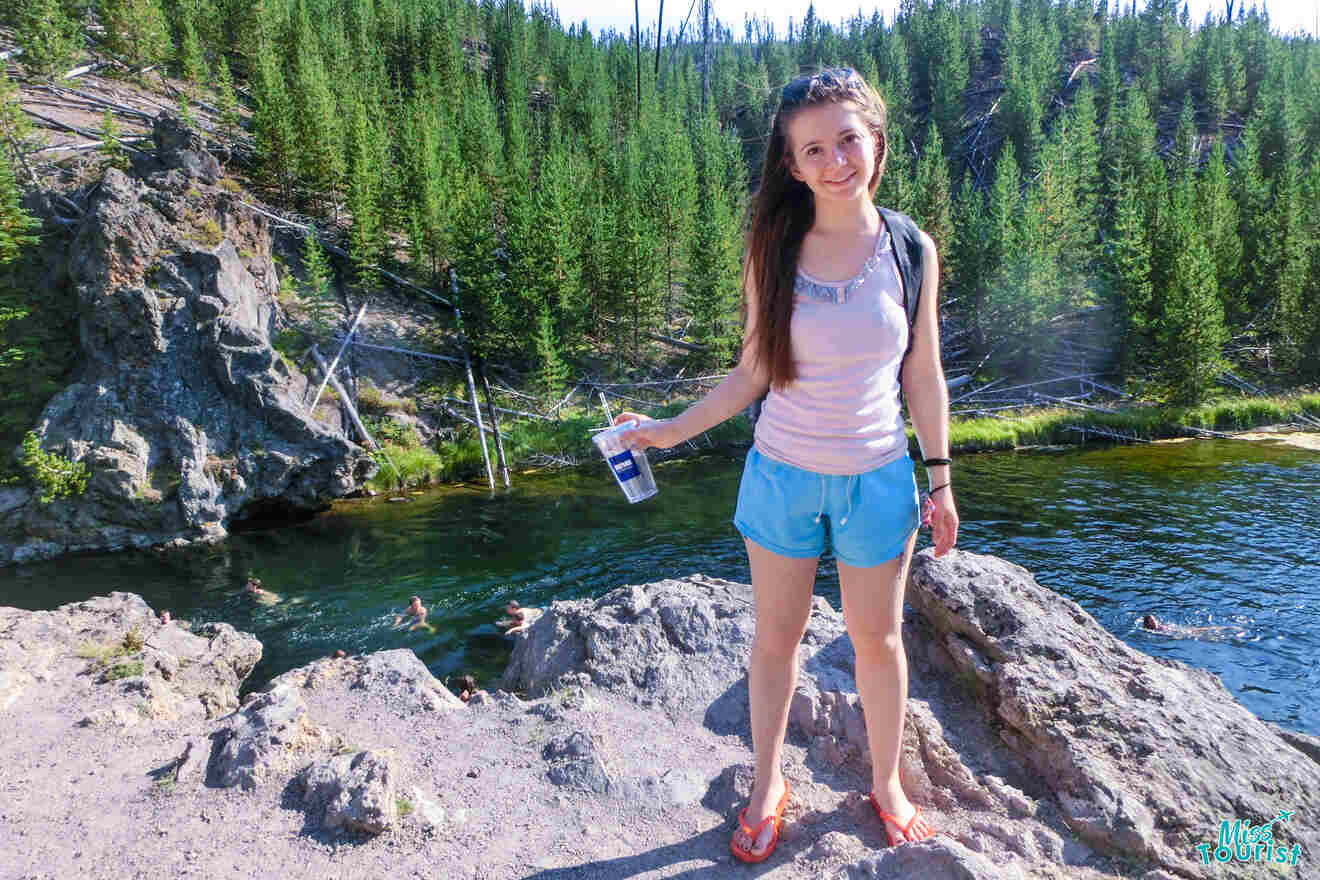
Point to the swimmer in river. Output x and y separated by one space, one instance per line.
165 617
253 588
416 610
519 618
1151 623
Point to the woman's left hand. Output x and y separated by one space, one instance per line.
943 521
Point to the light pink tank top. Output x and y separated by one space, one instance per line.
842 414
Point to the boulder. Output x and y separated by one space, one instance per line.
264 740
182 410
1145 756
398 677
357 792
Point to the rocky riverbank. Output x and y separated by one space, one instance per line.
1040 745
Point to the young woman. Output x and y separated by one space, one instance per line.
826 333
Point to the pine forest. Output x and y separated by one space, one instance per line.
1111 184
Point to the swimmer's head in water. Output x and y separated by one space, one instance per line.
415 600
253 585
1149 622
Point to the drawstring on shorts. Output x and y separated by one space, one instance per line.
847 492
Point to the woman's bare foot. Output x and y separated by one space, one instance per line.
761 804
900 812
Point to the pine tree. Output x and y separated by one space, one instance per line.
111 145
189 58
225 99
48 35
896 189
1127 276
320 143
323 305
481 282
366 238
1191 330
1217 217
713 291
933 207
1250 292
1183 160
16 233
671 183
1304 325
273 122
135 30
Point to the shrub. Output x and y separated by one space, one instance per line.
55 475
231 185
127 669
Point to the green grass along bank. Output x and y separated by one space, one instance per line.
569 439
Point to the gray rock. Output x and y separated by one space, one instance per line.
1145 756
353 792
936 859
184 413
178 146
264 739
396 676
665 644
574 763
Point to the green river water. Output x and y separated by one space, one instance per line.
1200 533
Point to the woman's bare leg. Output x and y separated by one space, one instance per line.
873 611
782 586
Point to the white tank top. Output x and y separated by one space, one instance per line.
842 413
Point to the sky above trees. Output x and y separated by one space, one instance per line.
1286 16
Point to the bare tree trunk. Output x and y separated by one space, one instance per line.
637 25
705 54
659 32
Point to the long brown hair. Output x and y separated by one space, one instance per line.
784 209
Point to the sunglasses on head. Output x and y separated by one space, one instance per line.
837 77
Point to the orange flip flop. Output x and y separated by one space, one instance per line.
886 818
776 817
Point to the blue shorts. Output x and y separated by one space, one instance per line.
786 509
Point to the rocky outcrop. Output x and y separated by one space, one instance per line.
1041 748
1107 749
122 663
185 414
1144 756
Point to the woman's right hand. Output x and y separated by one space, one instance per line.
649 432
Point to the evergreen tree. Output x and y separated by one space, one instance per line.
225 99
320 144
111 146
322 305
1183 160
1191 331
1217 217
135 30
1127 276
713 283
48 35
671 184
1303 325
933 207
367 236
273 122
481 282
1244 303
16 233
189 58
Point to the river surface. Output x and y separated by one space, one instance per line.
1207 533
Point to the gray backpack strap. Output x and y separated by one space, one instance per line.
905 239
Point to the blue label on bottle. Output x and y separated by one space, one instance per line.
625 468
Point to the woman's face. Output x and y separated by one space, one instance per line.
832 150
